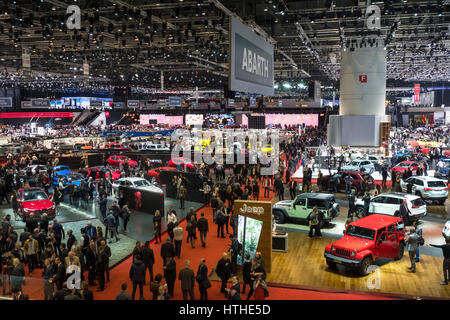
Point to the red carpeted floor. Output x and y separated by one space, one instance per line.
212 253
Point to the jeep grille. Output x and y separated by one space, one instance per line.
343 252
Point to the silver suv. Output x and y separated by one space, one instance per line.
428 188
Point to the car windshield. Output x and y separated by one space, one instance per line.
141 183
418 202
436 184
360 232
34 195
404 165
354 163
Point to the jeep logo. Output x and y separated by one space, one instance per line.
255 210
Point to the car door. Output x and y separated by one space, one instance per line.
298 208
404 183
342 182
387 244
377 204
392 205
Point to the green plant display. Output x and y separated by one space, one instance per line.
249 231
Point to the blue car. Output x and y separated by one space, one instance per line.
59 171
443 172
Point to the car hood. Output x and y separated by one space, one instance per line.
283 203
62 172
353 243
151 189
37 205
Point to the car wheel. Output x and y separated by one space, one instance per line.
401 251
331 264
359 211
441 201
417 193
279 217
397 214
364 266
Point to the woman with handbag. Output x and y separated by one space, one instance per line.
202 279
157 226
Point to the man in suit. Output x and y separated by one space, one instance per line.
137 276
101 264
170 273
202 226
70 239
91 256
17 276
47 274
187 278
167 250
58 230
412 244
235 285
148 258
60 275
72 260
224 271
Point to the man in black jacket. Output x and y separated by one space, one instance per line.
167 250
70 239
224 271
148 257
446 263
170 273
58 230
101 265
60 274
202 226
187 278
91 257
137 276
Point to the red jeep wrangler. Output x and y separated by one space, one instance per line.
371 237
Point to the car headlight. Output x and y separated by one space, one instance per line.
333 248
353 254
52 207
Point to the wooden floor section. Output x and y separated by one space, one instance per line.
304 264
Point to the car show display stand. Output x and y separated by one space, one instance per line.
280 242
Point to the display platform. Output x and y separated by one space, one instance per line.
304 265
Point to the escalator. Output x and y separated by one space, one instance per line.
85 118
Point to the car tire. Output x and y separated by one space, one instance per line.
364 266
397 214
331 264
359 211
417 193
279 217
441 201
401 251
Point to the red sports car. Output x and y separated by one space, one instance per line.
115 174
154 173
116 161
116 146
404 165
182 162
33 203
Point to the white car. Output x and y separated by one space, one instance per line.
359 165
389 204
136 183
428 188
375 159
157 147
35 169
446 230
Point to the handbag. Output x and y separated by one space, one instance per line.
421 241
206 284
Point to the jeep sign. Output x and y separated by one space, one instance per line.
255 210
251 68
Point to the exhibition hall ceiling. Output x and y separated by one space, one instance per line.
132 41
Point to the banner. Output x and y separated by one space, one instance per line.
416 92
174 101
6 102
133 104
251 68
38 104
